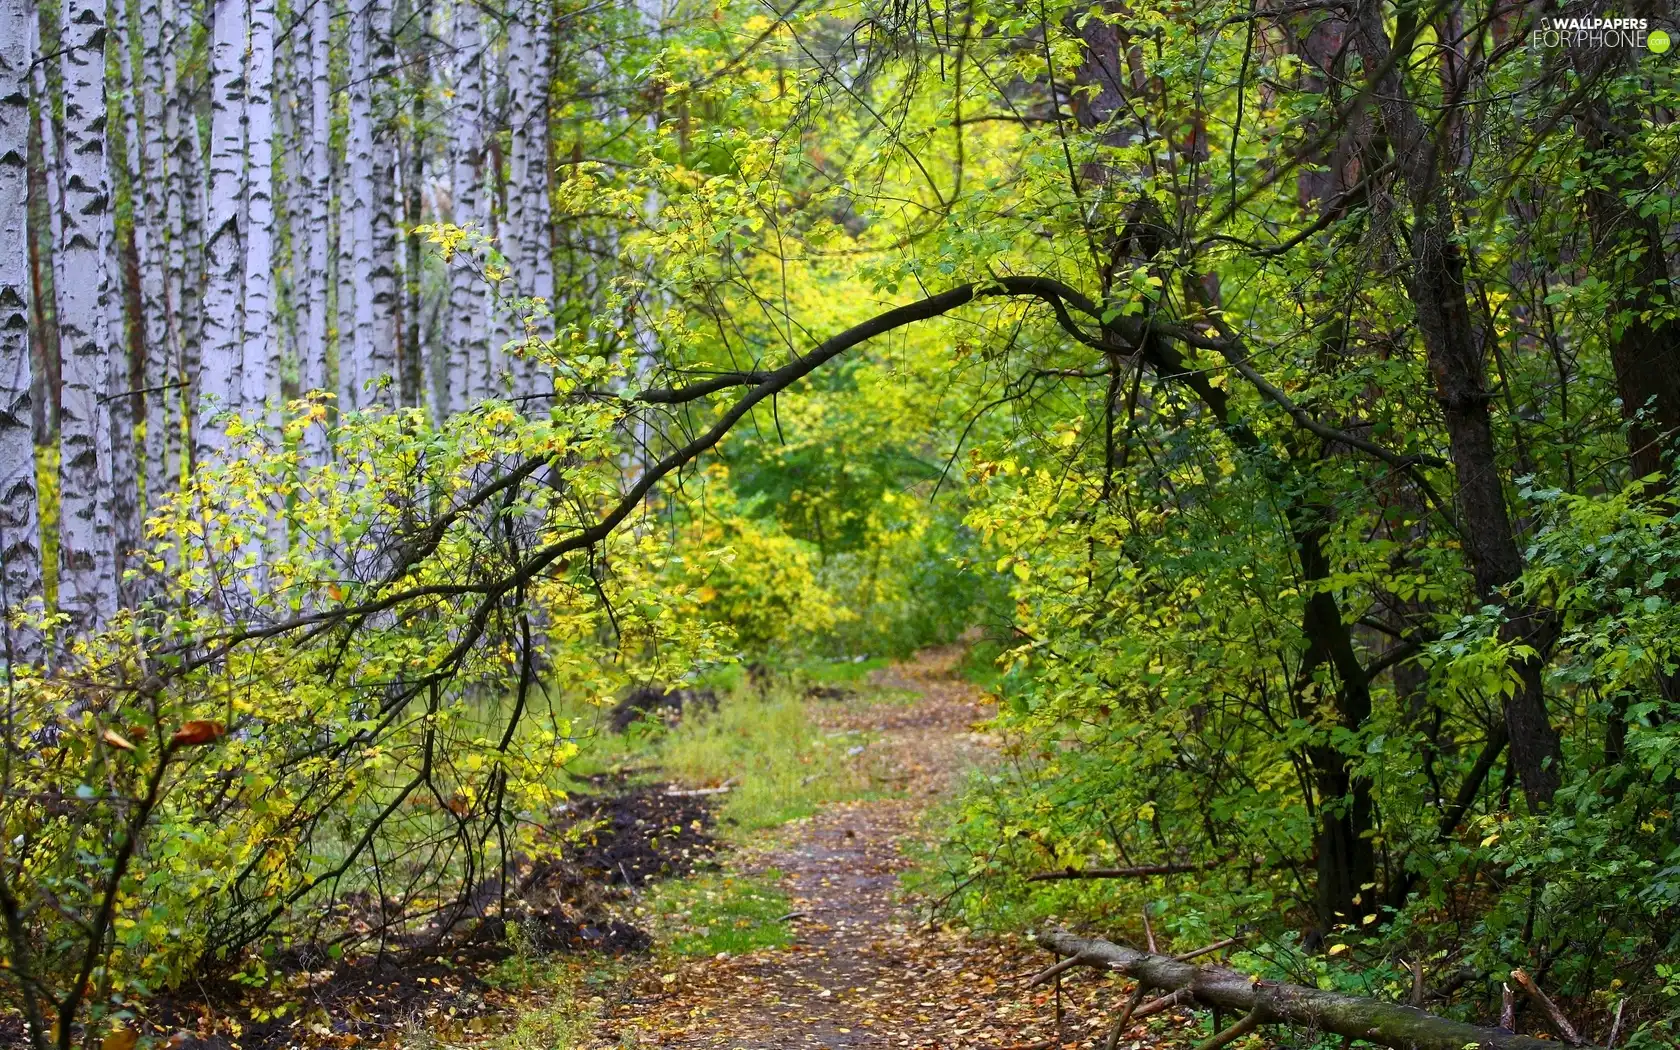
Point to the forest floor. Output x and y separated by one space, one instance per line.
681 922
864 967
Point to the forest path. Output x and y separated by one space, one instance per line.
864 969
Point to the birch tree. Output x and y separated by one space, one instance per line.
181 183
87 583
312 368
20 549
538 233
381 361
516 238
647 337
150 236
468 361
224 330
356 198
259 359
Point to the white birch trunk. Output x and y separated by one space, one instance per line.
356 223
312 368
150 235
20 534
467 344
539 250
195 182
491 381
180 167
647 337
87 582
219 385
291 135
259 377
515 226
382 339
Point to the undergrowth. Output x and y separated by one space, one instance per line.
778 762
720 913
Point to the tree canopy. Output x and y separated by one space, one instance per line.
1288 390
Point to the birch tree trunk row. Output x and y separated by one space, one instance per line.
199 225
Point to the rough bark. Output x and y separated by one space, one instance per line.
259 355
493 381
468 348
1435 286
1352 1017
356 219
20 541
414 174
381 362
87 583
516 226
1644 336
181 250
127 332
312 368
1346 859
224 297
538 249
149 237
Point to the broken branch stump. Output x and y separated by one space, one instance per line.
1269 1002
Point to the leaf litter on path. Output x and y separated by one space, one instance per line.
863 969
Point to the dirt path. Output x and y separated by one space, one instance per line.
863 971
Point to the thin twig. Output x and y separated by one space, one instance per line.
1615 1026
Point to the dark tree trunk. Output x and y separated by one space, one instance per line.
1644 343
1436 288
1346 859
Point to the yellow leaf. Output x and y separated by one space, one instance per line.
116 740
121 1039
1337 949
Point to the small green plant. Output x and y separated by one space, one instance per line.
721 913
826 672
558 1013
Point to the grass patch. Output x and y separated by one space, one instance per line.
841 672
720 913
782 764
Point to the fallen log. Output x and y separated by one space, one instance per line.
1269 1002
